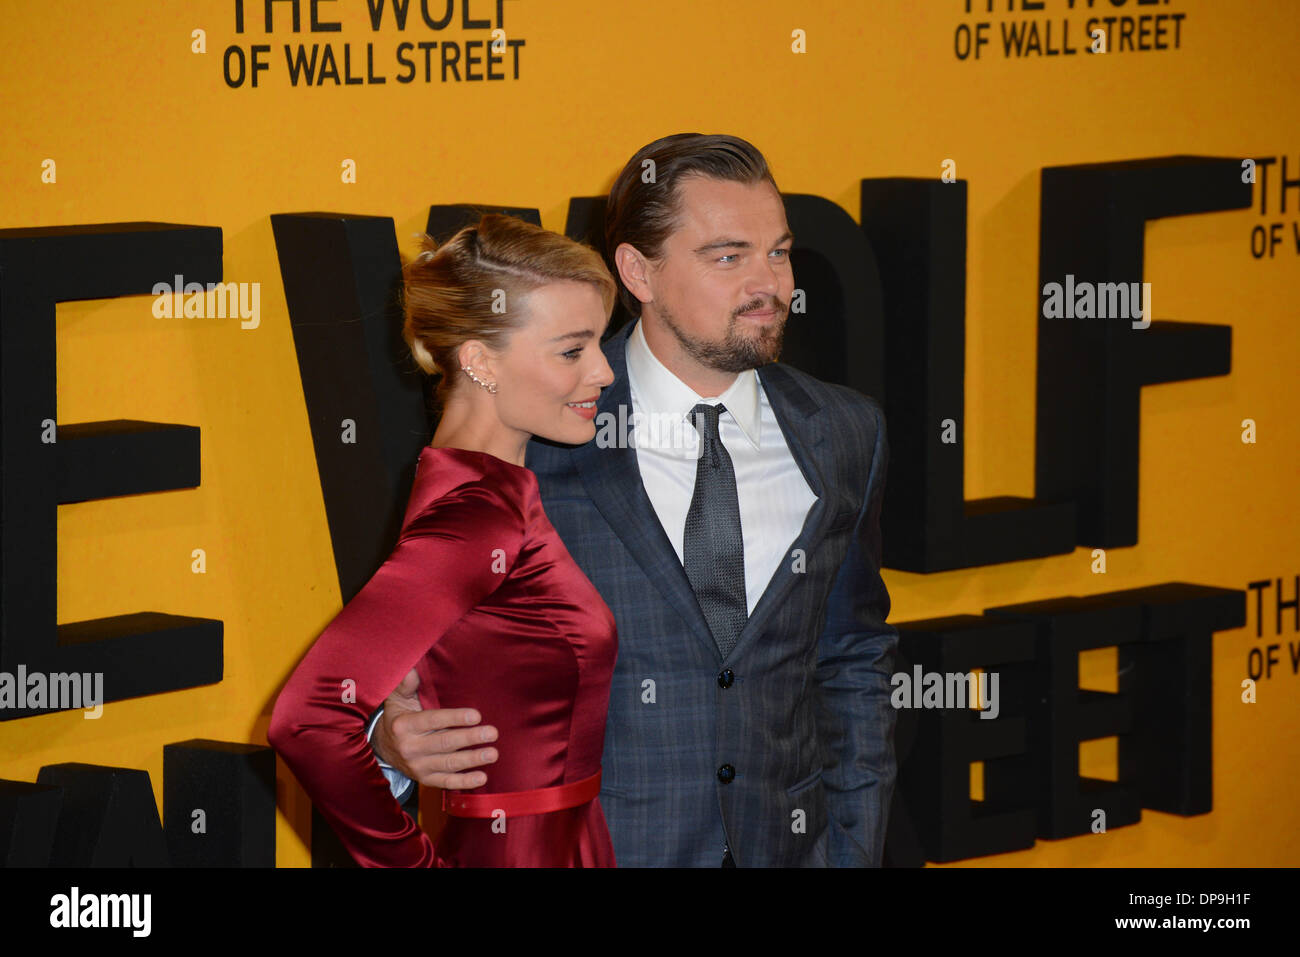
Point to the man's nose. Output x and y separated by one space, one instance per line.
765 279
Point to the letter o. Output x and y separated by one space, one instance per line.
225 66
1263 241
962 30
1255 664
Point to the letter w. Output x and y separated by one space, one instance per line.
377 12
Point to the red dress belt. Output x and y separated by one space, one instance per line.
516 803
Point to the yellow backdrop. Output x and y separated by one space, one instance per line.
141 126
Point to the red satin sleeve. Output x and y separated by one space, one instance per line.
447 560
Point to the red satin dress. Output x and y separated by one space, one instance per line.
481 597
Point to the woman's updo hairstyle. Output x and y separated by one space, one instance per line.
471 287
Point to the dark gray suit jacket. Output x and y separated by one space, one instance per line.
805 723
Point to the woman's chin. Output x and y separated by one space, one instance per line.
579 433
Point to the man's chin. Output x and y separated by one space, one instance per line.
765 346
749 343
754 354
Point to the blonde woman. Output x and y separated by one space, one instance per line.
479 596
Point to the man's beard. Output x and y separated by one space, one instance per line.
735 352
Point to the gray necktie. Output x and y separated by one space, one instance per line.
714 549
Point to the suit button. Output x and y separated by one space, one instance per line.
726 774
725 678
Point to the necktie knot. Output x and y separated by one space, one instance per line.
705 419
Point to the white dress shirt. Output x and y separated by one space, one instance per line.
773 494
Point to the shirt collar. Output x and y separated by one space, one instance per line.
658 390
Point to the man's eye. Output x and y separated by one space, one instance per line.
781 253
572 353
728 257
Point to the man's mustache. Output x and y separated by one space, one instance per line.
756 305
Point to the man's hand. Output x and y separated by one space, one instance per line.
432 747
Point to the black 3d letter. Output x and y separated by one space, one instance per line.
918 230
1090 371
138 654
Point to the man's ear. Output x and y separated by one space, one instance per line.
635 271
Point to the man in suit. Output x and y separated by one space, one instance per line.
749 718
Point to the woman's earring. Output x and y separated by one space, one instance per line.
490 386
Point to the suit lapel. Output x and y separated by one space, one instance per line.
802 423
613 482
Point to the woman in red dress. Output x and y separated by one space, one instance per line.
480 595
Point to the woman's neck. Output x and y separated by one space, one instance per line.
473 426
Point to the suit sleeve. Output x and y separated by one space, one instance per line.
447 560
855 720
